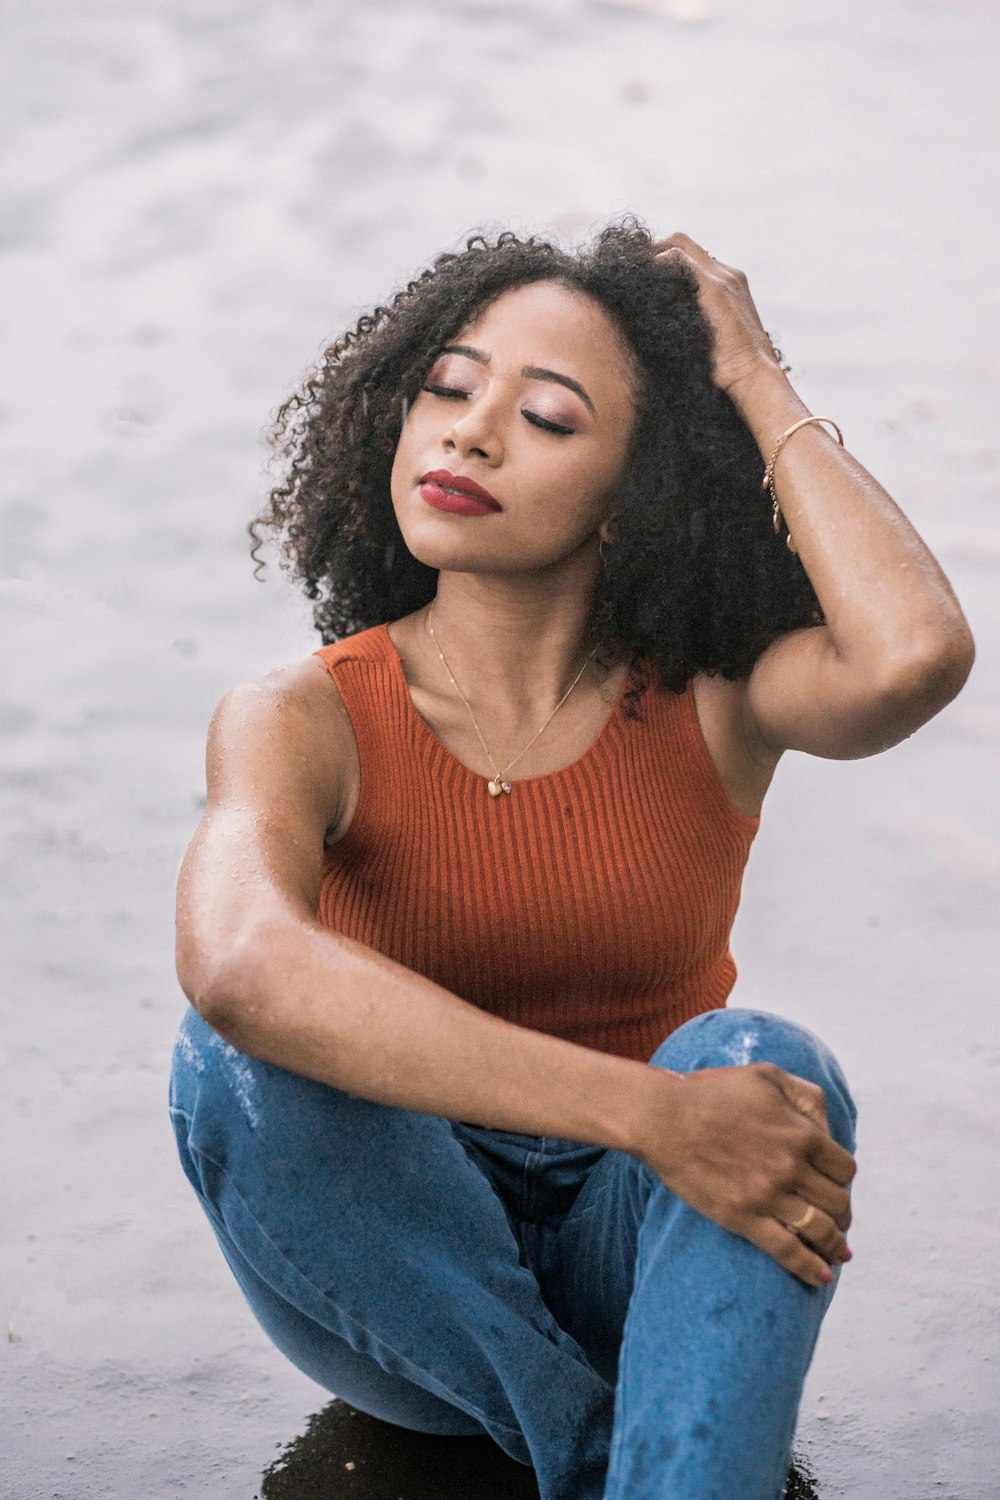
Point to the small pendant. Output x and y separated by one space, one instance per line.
497 786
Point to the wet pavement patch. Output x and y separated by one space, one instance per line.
346 1453
801 1481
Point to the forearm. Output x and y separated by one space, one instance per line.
885 598
303 998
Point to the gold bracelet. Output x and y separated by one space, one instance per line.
769 470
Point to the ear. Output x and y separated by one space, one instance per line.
606 530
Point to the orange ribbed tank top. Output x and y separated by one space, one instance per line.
594 903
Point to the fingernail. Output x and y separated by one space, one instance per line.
848 1254
826 1276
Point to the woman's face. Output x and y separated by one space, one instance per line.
480 414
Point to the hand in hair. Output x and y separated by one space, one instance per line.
741 345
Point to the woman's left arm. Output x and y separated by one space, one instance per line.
896 647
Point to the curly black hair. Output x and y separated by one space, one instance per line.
696 581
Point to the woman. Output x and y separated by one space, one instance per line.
459 1090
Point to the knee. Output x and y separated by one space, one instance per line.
733 1037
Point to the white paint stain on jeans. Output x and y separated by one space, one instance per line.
741 1048
241 1080
234 1067
189 1052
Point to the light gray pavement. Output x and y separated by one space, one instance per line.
197 196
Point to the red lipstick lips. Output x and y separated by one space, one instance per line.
452 492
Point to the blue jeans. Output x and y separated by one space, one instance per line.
450 1278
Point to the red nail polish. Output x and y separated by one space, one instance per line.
826 1276
848 1254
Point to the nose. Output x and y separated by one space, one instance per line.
475 429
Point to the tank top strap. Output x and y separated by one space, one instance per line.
366 669
676 730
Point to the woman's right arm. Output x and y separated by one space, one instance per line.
257 964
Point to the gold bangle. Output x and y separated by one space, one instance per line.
768 483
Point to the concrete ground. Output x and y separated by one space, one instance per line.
196 198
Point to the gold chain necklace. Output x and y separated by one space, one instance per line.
498 785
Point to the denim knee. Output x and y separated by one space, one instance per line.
732 1037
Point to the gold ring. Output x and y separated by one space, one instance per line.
797 1225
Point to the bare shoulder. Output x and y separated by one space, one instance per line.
286 731
745 764
304 686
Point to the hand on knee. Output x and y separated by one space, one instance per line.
748 1146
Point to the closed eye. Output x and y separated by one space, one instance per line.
449 393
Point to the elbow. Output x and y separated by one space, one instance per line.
947 668
936 674
219 986
240 988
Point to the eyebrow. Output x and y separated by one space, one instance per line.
532 372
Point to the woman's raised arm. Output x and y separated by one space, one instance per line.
895 647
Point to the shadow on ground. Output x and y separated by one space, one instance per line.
346 1453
